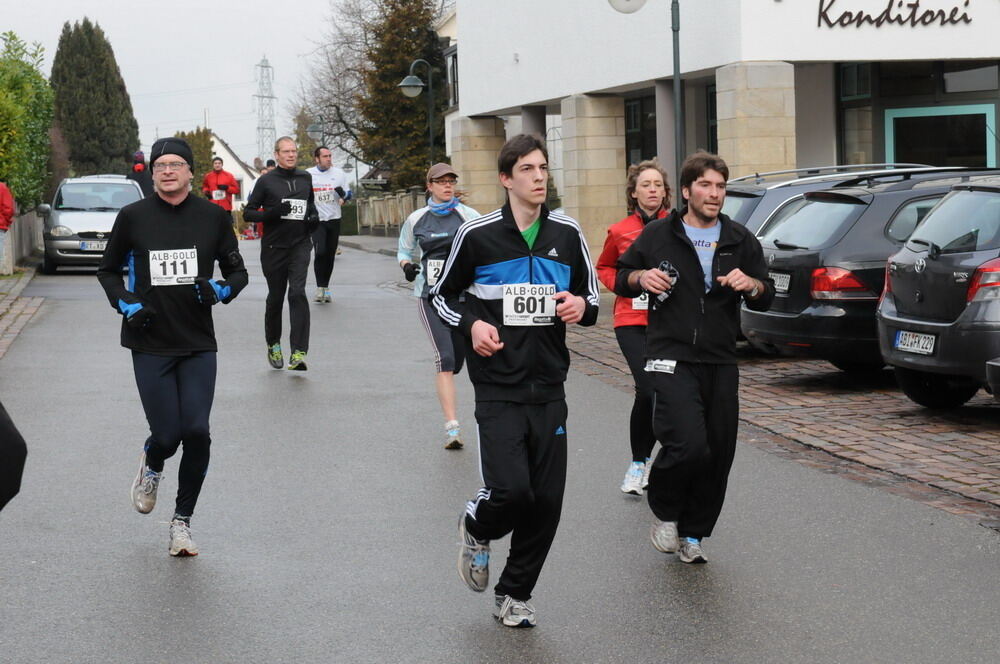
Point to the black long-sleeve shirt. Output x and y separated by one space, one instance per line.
270 190
171 233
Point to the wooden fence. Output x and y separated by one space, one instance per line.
383 215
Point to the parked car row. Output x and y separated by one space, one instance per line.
919 245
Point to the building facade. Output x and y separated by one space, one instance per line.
768 84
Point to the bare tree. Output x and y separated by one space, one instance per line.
329 91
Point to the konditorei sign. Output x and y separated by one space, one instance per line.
833 14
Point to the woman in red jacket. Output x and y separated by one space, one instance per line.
648 196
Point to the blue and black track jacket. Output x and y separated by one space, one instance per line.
182 324
489 252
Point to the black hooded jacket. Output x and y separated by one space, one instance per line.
271 189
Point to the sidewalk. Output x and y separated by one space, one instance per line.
806 410
15 311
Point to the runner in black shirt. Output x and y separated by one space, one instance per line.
170 243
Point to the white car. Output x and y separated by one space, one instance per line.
79 221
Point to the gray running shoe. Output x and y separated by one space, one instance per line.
181 543
453 435
690 551
645 473
664 536
144 487
473 558
274 356
319 296
632 484
297 362
326 295
513 612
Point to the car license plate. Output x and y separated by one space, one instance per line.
914 342
93 245
781 281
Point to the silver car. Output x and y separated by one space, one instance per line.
79 221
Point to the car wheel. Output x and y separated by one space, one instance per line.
858 367
48 267
935 390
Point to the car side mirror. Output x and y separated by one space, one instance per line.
43 209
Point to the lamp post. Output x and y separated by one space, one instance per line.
630 6
412 86
317 132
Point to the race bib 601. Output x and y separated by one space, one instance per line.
529 304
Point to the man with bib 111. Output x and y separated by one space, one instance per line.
283 200
170 243
514 280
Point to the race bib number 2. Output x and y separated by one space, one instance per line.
173 267
435 266
529 304
298 212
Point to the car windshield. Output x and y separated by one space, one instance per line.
96 196
739 206
810 224
963 221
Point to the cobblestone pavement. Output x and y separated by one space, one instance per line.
860 427
15 311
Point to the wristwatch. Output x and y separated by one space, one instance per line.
755 291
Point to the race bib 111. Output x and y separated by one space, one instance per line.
173 267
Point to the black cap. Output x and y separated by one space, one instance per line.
172 145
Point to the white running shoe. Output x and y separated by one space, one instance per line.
473 558
144 487
690 551
514 612
181 543
645 472
326 294
664 536
453 435
319 296
632 484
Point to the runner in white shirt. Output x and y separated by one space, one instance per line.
330 189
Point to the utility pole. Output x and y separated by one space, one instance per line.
265 109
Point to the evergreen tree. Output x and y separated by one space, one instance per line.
92 106
200 141
307 145
393 132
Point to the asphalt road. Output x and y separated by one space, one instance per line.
327 521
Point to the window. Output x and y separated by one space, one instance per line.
712 119
812 223
942 135
911 214
969 77
963 221
855 81
640 129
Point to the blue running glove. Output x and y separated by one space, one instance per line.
210 291
137 315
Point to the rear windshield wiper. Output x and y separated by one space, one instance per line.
70 207
103 208
785 245
933 251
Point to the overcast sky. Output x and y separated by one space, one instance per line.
183 59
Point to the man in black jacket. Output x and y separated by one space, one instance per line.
514 280
697 266
283 200
170 243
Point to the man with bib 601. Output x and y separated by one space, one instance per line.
514 280
170 243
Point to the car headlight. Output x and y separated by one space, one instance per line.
61 231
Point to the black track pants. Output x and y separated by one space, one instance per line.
13 452
286 269
522 450
325 239
632 341
696 416
177 394
447 341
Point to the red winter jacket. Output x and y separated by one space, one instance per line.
620 237
7 208
211 183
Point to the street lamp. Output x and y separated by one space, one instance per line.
630 6
317 132
412 86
